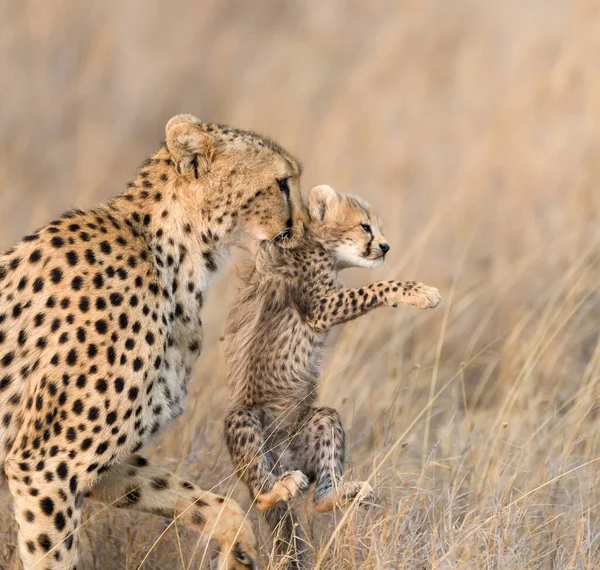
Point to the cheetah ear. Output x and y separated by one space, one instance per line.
321 201
191 148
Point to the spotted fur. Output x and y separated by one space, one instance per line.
278 440
100 328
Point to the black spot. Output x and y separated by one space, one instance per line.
101 326
85 445
132 496
210 262
38 285
59 521
111 355
159 484
47 505
101 386
123 321
81 334
44 542
72 357
57 241
105 248
198 519
90 257
140 461
5 382
77 407
62 470
7 359
77 283
133 393
116 299
72 258
56 275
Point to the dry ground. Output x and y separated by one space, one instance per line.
473 126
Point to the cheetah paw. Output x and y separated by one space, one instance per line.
427 297
344 495
289 485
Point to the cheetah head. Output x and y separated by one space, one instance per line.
348 227
245 181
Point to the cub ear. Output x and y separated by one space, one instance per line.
321 201
191 148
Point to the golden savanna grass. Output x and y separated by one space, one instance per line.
474 129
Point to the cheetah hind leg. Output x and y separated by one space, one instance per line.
341 495
287 486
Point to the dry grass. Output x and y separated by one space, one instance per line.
473 127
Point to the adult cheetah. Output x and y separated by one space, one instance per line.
100 328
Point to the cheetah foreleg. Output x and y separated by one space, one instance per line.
140 486
348 304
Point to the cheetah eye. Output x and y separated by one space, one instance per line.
283 186
367 228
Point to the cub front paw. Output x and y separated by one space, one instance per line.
289 485
414 293
429 297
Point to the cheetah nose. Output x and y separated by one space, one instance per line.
385 247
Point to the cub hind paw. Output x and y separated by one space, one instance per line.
289 485
343 495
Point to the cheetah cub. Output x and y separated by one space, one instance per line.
290 298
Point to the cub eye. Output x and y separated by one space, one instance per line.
283 186
366 227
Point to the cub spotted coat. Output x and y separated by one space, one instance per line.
278 440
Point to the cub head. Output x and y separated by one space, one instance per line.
246 182
347 227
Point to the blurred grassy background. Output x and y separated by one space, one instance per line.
472 126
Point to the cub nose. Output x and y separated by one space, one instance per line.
385 247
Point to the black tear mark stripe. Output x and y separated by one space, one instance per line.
368 248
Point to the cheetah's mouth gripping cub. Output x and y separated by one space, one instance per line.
349 226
